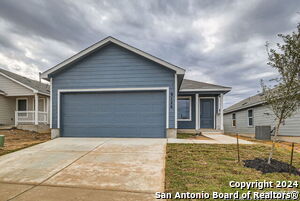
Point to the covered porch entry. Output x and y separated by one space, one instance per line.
31 110
197 111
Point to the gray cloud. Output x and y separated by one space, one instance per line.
216 41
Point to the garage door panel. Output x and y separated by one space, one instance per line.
121 118
107 131
114 114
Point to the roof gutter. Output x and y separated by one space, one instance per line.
215 89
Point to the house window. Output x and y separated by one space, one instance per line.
184 109
234 120
22 104
250 117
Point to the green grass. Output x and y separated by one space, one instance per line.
185 135
202 167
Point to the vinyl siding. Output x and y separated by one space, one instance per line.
7 108
262 116
12 88
113 67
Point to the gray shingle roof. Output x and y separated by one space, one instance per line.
246 103
191 84
40 87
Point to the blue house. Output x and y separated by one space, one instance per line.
112 89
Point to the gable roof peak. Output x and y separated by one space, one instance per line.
102 43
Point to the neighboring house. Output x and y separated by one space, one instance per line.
22 100
243 116
112 89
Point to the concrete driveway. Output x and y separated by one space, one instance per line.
84 169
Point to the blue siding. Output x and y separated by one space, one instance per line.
114 114
192 124
189 124
113 67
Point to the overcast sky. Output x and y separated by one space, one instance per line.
221 42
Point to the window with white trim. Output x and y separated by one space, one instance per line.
184 105
250 117
22 105
233 120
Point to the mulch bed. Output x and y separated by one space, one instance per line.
275 166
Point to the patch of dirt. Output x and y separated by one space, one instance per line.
201 137
285 145
16 139
275 166
192 136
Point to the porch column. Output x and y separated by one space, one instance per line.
47 110
221 112
197 110
36 109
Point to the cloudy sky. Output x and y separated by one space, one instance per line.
220 42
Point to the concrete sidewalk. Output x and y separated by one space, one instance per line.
84 169
215 139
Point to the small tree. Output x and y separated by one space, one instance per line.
284 97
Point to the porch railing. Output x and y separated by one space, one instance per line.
28 117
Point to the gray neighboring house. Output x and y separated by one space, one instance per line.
112 89
243 116
22 100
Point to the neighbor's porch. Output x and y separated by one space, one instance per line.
198 112
32 110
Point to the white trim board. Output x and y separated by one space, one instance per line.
101 44
197 115
50 103
59 91
214 98
192 90
175 101
190 108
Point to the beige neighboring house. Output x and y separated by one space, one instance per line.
245 115
24 102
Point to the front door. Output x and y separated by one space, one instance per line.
207 113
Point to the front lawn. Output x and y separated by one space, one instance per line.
203 167
19 139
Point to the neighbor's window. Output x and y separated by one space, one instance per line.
184 109
250 117
234 120
22 104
